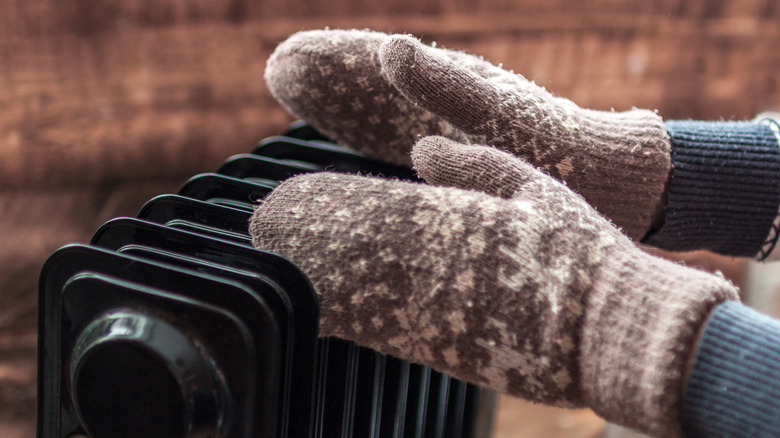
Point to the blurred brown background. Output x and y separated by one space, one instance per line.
104 104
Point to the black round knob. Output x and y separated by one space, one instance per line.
134 375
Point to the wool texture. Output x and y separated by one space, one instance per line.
524 289
378 94
334 81
734 386
619 161
724 193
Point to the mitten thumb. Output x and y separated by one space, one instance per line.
444 162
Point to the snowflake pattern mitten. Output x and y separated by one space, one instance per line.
619 161
517 285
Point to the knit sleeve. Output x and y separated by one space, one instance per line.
734 386
724 191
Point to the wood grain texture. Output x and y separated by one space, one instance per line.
94 92
104 104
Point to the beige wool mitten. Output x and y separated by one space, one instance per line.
518 285
619 161
379 93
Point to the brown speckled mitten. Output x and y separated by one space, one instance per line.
378 94
524 289
333 80
620 162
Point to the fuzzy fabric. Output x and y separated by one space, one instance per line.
619 161
378 94
334 81
517 284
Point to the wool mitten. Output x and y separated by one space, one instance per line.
380 101
619 161
723 192
334 81
521 287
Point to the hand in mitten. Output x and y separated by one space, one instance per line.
345 86
378 93
723 191
520 286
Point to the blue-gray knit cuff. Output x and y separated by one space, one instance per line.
734 386
725 187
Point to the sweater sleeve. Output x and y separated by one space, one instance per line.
734 386
724 191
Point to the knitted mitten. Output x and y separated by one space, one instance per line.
333 80
524 289
620 162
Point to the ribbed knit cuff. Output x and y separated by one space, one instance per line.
725 188
734 386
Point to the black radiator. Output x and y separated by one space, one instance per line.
171 325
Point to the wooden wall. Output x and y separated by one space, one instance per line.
104 104
96 91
